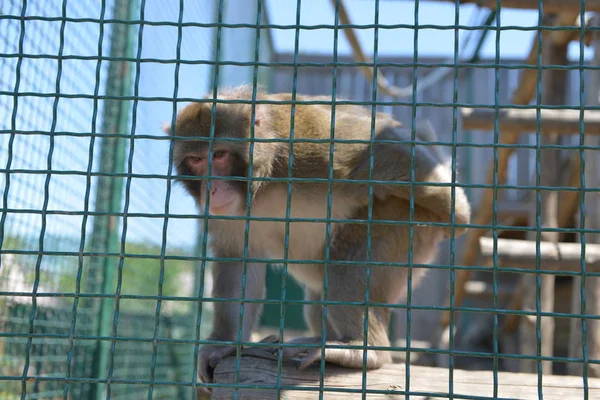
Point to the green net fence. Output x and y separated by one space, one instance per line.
82 258
105 276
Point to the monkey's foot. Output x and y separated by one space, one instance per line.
304 356
344 357
210 355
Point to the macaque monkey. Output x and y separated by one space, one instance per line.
348 251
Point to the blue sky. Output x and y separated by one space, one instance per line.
432 42
157 79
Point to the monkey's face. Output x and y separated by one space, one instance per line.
227 196
191 157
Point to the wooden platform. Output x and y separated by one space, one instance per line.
389 383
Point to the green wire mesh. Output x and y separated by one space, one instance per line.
103 261
69 168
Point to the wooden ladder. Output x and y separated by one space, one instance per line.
558 208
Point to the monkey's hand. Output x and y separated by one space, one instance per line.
210 355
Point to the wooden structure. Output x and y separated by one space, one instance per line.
591 286
387 383
557 209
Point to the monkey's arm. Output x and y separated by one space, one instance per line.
226 315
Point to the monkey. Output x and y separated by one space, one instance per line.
369 162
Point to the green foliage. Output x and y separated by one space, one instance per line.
142 276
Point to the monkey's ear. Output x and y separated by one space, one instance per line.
166 128
259 114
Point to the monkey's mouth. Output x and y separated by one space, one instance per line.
222 208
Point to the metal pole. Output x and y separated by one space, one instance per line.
115 120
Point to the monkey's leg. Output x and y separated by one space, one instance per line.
349 358
313 316
345 326
226 315
313 313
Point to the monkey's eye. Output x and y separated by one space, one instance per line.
195 159
218 154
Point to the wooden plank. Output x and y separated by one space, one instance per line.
521 120
390 380
549 6
557 257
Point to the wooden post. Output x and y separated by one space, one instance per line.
592 221
553 93
568 201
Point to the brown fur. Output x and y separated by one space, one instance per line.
307 240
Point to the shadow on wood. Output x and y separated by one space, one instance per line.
388 382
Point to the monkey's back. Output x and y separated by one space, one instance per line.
314 134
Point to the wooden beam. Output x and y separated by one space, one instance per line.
568 201
389 381
557 257
512 320
518 120
549 6
552 7
359 55
565 36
